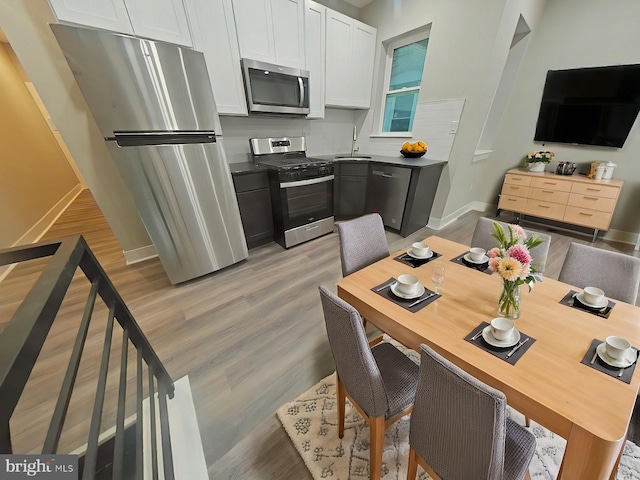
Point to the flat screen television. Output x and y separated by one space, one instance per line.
589 106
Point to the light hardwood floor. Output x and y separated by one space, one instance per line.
250 337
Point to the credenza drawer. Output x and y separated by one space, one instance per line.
587 218
512 203
538 208
591 202
515 179
549 195
551 184
595 190
517 190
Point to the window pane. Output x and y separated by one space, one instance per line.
408 63
399 111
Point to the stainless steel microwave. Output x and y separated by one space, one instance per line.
275 89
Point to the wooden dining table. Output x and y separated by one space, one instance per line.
548 384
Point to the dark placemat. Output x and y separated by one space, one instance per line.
416 262
483 267
475 337
384 290
599 365
572 302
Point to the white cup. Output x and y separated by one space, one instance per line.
616 347
476 253
408 284
502 328
420 249
593 295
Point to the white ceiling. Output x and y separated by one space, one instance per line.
359 3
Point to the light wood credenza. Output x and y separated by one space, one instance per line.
573 199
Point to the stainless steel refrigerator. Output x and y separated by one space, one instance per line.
154 106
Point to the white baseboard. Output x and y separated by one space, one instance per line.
438 223
140 254
42 226
622 237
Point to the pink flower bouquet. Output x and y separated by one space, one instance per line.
512 260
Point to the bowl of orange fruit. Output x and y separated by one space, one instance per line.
413 150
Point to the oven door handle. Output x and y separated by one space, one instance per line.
302 183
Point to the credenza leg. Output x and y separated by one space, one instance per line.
595 235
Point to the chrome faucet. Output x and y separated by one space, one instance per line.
353 142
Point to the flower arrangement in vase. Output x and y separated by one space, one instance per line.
512 260
535 161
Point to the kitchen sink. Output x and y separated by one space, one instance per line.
352 157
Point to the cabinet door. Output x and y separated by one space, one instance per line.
315 51
363 49
164 20
288 32
255 29
353 195
350 54
214 34
106 14
338 55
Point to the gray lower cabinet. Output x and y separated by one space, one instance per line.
351 189
254 200
402 195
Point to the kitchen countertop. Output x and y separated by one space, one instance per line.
245 168
399 160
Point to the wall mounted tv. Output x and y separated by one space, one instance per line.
589 106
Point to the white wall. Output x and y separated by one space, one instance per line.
571 34
468 47
26 25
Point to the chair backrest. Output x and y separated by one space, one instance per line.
617 274
362 242
458 424
482 238
355 364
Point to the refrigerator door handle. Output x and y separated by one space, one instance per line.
136 139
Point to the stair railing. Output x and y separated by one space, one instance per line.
24 335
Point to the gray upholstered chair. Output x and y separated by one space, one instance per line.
380 382
362 242
459 427
482 238
615 273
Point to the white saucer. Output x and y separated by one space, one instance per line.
413 255
398 293
629 359
467 257
581 299
491 340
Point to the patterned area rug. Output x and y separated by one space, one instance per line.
311 422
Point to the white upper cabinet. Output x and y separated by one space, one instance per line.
214 34
271 30
106 14
314 40
163 20
350 54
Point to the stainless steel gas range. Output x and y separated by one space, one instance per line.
301 189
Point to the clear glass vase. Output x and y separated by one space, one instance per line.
509 302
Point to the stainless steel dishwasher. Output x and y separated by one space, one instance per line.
387 193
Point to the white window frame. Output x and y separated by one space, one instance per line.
390 47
